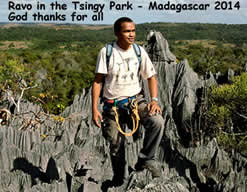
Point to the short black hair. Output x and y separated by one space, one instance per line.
117 24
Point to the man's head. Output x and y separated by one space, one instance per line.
124 29
118 23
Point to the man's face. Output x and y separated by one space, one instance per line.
127 34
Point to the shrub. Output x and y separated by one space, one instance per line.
228 113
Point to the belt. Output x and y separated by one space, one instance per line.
121 102
131 109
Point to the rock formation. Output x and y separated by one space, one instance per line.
67 153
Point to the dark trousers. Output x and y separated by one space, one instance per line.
153 125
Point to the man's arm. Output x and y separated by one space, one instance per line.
95 98
153 106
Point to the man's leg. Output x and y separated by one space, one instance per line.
117 151
154 128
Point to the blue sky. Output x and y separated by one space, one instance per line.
139 15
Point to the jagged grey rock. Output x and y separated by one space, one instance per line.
41 152
245 67
210 80
41 75
225 78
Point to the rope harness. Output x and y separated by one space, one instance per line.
133 107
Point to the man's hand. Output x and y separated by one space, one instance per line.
153 108
97 116
95 98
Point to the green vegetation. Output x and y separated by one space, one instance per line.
217 58
60 73
196 31
228 113
223 33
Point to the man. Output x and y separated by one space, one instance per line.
122 83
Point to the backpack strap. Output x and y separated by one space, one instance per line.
138 54
108 53
109 48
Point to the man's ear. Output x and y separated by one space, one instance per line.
116 33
